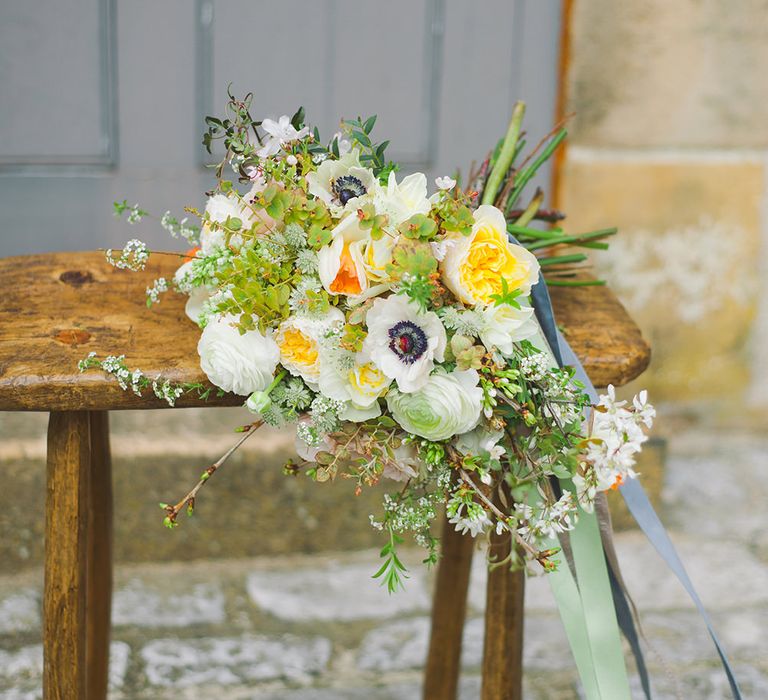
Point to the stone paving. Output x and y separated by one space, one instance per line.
316 627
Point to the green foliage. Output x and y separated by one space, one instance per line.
371 154
506 296
419 227
392 571
369 219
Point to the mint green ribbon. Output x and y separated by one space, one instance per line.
588 614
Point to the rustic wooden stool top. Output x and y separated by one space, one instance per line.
59 307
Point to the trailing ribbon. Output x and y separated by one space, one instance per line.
542 306
642 511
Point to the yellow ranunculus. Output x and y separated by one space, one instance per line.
474 265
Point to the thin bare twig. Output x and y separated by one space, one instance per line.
172 511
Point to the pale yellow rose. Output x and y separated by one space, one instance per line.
474 265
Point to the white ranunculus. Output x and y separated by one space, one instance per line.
504 325
342 184
447 405
299 340
403 341
233 362
400 201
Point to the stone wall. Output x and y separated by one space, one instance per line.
670 142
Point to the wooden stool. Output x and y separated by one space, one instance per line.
57 308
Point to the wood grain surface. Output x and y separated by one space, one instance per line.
66 520
99 536
504 610
59 307
449 609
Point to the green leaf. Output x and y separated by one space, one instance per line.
297 120
361 138
368 126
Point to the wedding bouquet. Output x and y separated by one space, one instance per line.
408 337
393 327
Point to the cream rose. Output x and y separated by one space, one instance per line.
359 387
299 342
233 362
474 265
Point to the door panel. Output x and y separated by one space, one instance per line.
104 99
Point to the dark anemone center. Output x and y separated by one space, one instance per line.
348 187
407 341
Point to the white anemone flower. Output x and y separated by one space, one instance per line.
342 184
403 341
280 134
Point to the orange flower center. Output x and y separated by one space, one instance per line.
346 281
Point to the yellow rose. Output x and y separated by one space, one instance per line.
474 265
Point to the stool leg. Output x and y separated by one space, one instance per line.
65 555
448 611
99 567
503 646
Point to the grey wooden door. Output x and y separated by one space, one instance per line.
104 99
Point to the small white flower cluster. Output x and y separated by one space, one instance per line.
617 436
159 286
412 515
535 367
135 380
325 414
180 228
464 322
115 365
134 256
167 391
548 520
135 214
308 434
466 515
